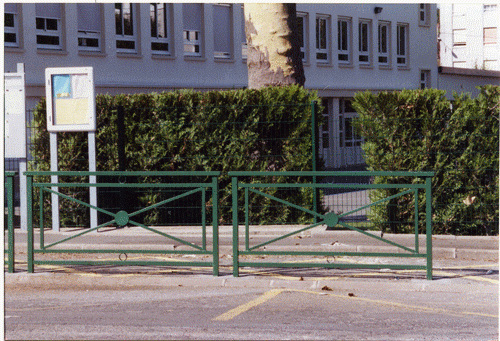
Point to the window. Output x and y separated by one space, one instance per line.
158 16
344 40
223 31
364 35
383 43
423 14
425 79
322 47
301 29
402 45
459 37
89 26
192 23
490 7
325 130
490 35
126 40
244 47
11 26
348 134
48 26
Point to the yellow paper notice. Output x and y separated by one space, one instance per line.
72 111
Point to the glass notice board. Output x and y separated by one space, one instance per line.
70 99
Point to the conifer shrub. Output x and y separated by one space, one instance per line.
421 130
240 130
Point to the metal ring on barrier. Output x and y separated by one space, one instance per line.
120 257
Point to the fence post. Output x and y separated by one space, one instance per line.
10 221
122 159
314 137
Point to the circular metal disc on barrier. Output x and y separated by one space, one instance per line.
331 219
122 218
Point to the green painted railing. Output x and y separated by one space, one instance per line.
9 191
123 218
330 219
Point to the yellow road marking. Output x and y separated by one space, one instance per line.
247 306
474 278
399 305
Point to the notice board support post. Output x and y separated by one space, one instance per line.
54 179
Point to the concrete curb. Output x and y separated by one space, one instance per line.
58 281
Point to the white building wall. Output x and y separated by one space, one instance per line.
462 35
117 72
144 72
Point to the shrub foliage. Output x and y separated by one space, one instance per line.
250 130
420 130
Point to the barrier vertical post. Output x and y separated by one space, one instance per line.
215 223
234 190
428 225
29 206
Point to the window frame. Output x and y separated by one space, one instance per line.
424 11
225 55
344 40
47 32
402 44
490 39
193 38
304 42
361 52
319 39
384 53
14 29
90 34
156 39
123 37
425 79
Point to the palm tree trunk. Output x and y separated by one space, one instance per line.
273 45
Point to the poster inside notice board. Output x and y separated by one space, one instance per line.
70 99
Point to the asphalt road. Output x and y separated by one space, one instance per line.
348 309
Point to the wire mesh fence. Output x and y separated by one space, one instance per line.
174 139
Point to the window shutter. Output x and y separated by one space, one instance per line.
89 17
222 28
52 11
191 17
11 8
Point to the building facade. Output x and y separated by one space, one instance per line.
468 35
143 47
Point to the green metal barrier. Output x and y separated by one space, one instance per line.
123 218
9 191
330 219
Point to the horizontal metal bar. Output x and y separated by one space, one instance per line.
91 251
333 253
377 202
331 265
286 203
126 262
122 173
287 235
333 173
327 185
10 173
120 185
166 201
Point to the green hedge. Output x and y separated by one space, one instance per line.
251 130
420 130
